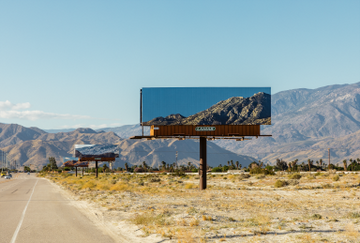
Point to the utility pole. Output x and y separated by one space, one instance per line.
329 158
176 155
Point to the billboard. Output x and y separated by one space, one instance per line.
206 106
96 150
65 159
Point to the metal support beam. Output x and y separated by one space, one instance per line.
203 164
96 169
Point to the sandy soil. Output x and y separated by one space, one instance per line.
166 208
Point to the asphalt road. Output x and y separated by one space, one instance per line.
32 210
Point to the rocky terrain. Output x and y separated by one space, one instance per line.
235 111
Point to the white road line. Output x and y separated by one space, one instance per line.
13 239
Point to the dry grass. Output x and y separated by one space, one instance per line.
236 209
351 232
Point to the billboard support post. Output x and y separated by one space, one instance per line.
76 171
96 169
203 164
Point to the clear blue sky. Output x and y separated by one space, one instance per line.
82 63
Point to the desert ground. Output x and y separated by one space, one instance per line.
317 207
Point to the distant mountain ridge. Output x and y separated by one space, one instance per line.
59 130
37 151
127 131
235 111
302 120
305 123
12 134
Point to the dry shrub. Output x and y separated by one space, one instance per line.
194 222
335 178
316 216
190 186
295 176
155 180
149 219
280 183
327 186
244 176
310 176
143 219
182 222
192 210
261 220
354 215
206 218
293 182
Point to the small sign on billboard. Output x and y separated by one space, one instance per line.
205 129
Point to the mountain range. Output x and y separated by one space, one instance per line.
233 111
305 124
34 146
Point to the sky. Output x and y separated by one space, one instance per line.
69 64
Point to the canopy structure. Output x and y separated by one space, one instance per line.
82 164
70 163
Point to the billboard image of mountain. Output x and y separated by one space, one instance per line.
210 106
96 150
